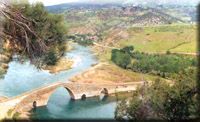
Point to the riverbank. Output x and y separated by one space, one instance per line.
65 63
109 73
4 60
62 65
14 83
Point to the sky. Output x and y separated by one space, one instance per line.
54 2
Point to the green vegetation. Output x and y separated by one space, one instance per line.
51 58
175 38
10 112
178 38
120 58
82 39
2 72
40 36
162 101
159 100
166 66
16 116
162 65
34 33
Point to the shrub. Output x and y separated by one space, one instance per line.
51 58
168 52
121 58
161 65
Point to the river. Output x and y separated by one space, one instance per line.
21 78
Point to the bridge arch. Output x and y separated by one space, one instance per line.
83 97
104 91
70 91
40 98
103 94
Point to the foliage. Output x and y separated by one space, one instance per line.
166 66
122 57
181 101
33 32
163 65
83 39
16 116
128 49
162 101
51 58
2 72
10 112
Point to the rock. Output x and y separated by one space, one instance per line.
4 66
4 58
2 98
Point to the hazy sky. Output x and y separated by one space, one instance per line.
54 2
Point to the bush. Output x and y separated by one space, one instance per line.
10 112
168 52
16 116
162 101
2 72
121 57
51 58
161 64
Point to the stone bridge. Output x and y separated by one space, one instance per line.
40 96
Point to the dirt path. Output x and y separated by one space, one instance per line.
99 45
181 53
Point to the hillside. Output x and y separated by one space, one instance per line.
114 25
99 18
151 18
118 26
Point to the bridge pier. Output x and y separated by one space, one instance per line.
40 97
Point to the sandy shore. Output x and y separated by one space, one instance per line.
62 65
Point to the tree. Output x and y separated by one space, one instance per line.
128 49
181 101
176 102
51 58
33 32
121 58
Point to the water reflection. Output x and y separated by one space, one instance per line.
60 106
25 77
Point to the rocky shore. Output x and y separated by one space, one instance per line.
4 60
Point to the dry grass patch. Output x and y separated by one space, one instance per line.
110 73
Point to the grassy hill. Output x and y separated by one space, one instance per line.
153 30
148 29
175 38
